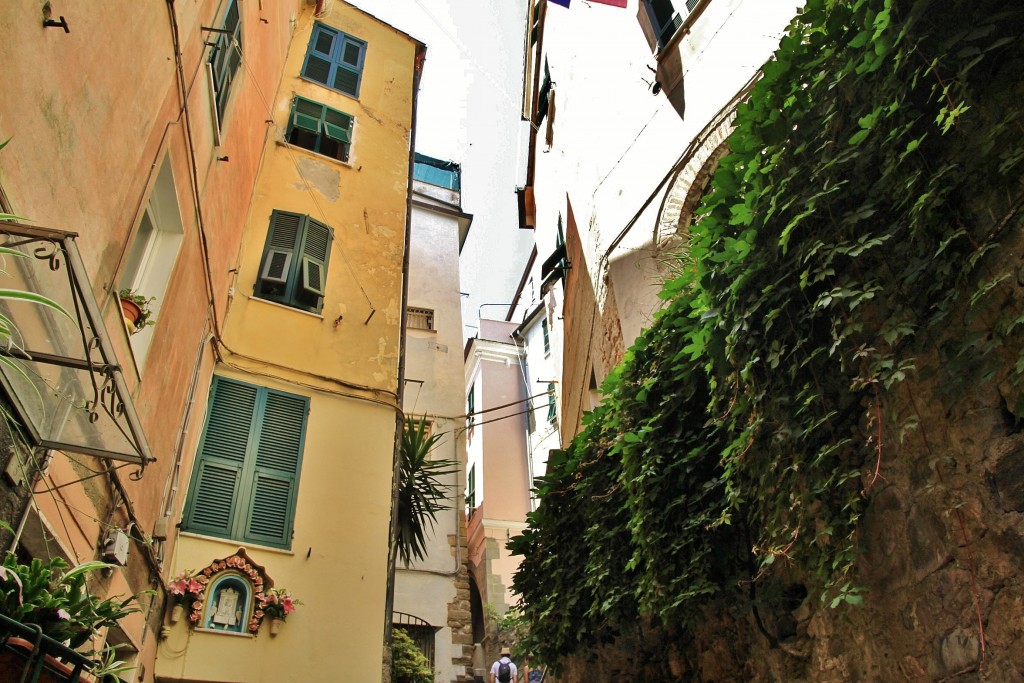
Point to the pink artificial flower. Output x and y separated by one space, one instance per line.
194 617
258 614
272 598
289 605
194 586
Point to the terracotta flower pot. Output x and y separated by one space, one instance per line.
177 613
131 312
275 626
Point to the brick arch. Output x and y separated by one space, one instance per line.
692 179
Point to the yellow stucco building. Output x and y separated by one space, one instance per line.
291 486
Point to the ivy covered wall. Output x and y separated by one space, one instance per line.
811 460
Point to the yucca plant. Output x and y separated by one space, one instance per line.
421 493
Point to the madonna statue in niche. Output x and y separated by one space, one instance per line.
230 604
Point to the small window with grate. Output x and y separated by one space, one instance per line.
420 318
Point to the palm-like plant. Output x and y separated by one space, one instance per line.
421 494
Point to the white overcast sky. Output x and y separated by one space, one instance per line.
469 112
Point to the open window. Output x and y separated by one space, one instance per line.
320 129
152 253
293 270
225 58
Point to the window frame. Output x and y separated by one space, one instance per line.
297 259
335 59
552 410
322 132
222 69
415 313
204 512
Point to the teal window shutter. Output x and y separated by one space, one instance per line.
317 66
552 413
293 271
247 471
335 59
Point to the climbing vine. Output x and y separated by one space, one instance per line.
874 173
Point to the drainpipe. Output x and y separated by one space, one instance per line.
389 603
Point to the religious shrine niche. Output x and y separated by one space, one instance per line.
233 599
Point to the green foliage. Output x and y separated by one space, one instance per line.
872 174
408 664
57 599
421 495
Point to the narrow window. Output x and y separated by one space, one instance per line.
552 414
471 406
293 270
320 129
335 60
246 476
547 336
225 58
471 490
152 254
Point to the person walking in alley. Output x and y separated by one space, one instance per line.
503 670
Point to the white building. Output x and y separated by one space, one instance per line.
629 109
430 595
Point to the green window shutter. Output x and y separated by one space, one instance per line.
278 267
552 413
336 133
222 453
305 120
277 460
247 471
316 252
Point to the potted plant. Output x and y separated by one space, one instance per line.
186 588
55 599
277 604
136 310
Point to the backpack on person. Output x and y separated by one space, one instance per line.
504 671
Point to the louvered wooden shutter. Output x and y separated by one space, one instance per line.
247 471
277 455
349 68
306 115
318 56
316 252
225 58
215 486
277 270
